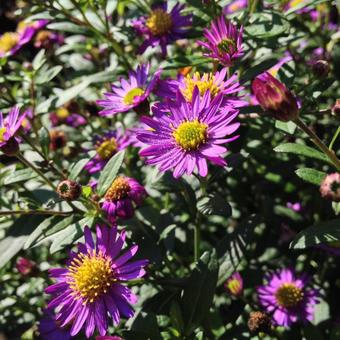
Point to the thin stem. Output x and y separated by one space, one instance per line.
35 212
334 138
318 142
35 169
197 241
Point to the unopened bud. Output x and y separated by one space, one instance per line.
320 68
259 322
275 98
330 187
336 109
26 267
69 190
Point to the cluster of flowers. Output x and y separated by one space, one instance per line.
190 125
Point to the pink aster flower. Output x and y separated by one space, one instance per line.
189 135
91 288
9 127
161 27
120 198
11 42
235 6
330 187
224 41
106 146
214 83
288 298
130 94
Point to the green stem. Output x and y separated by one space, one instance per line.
197 241
35 212
318 142
334 138
35 169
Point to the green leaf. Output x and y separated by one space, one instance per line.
199 292
311 175
70 234
144 327
72 92
302 150
67 27
214 205
254 71
183 61
87 191
176 317
110 172
323 232
76 168
288 127
45 225
44 138
45 75
19 176
16 237
232 247
39 60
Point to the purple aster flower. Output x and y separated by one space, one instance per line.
50 330
224 41
288 298
11 42
294 206
106 146
189 135
9 126
120 198
234 284
63 116
161 27
215 83
130 94
90 288
235 6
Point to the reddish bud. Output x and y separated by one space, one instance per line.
320 68
275 98
26 267
69 190
336 109
330 187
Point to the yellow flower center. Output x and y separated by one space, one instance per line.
234 286
130 96
2 132
225 45
190 135
294 3
106 149
159 22
207 82
90 275
62 113
22 25
8 40
119 189
288 295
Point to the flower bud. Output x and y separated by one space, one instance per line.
26 267
259 322
69 190
11 148
320 68
330 187
275 98
234 284
336 109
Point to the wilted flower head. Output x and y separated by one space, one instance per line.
330 187
320 68
130 94
259 322
234 284
275 98
46 39
162 27
224 41
69 190
9 126
120 198
106 146
91 287
189 135
57 139
288 298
